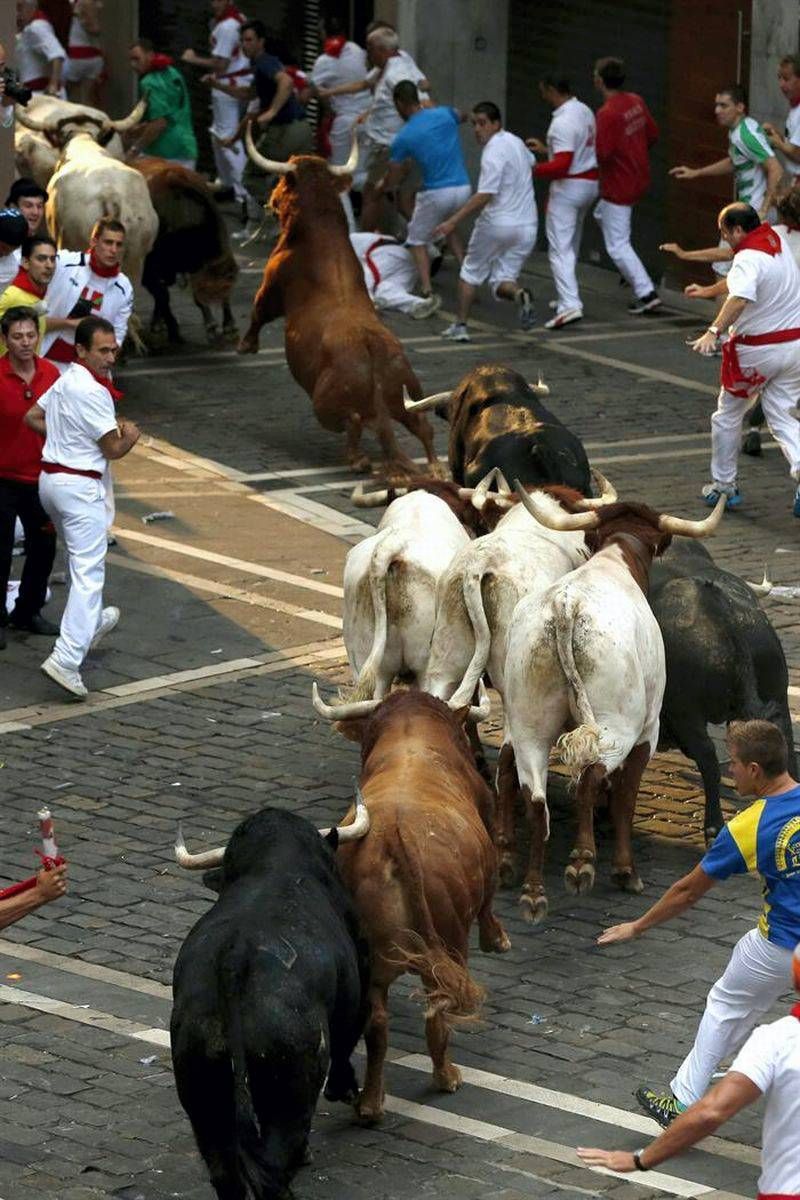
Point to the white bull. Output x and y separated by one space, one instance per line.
390 591
589 651
47 123
88 184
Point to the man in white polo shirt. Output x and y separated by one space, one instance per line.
504 233
573 174
788 145
767 1065
40 55
82 434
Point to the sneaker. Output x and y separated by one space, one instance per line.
662 1107
70 681
108 619
456 333
712 492
796 507
645 304
426 307
525 301
568 317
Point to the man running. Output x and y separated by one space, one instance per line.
766 838
788 145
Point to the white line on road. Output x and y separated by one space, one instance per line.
84 1016
632 368
77 966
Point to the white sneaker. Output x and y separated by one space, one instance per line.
567 317
108 619
426 307
70 681
456 333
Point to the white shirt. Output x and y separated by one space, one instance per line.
771 1059
79 412
226 42
111 297
37 46
793 136
78 35
349 67
506 164
771 285
573 128
386 258
9 265
383 120
792 236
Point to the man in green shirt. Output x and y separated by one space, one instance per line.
166 131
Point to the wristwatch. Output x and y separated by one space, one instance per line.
637 1160
713 329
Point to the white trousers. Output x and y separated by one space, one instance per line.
398 276
615 222
567 206
433 207
758 974
780 363
76 506
229 160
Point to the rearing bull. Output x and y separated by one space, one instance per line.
353 368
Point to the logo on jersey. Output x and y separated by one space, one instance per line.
94 298
787 847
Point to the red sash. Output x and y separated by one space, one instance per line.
744 381
38 84
49 468
84 52
376 275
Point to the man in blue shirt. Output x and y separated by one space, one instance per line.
765 838
429 138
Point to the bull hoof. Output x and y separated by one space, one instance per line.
399 471
495 942
368 1112
247 345
628 880
229 333
506 870
438 470
448 1079
579 879
533 909
752 444
360 465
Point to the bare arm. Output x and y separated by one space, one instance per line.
474 205
147 132
774 173
239 92
779 142
728 315
723 166
211 62
118 442
34 418
698 292
53 324
711 255
345 89
50 885
283 90
682 895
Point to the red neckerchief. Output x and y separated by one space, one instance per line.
115 394
99 269
159 62
334 45
796 1011
763 238
23 281
794 103
39 15
232 11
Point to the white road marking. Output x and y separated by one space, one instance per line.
85 1016
319 516
559 347
76 966
225 560
673 331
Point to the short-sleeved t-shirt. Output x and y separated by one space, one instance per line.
749 150
771 285
79 411
572 128
348 67
506 175
771 1059
167 97
765 838
431 138
383 121
265 68
792 135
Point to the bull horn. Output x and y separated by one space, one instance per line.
693 529
608 493
425 402
340 712
358 827
561 521
30 122
363 499
123 124
266 164
502 482
196 862
540 387
480 493
349 167
765 587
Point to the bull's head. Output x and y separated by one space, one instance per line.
97 125
272 167
208 859
441 399
588 520
363 708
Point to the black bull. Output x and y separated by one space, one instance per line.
269 998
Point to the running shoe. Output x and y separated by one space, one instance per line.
568 317
527 320
661 1106
457 332
427 306
645 304
712 492
70 681
108 620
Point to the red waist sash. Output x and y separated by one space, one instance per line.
50 468
745 381
84 52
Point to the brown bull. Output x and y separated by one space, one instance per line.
353 368
424 873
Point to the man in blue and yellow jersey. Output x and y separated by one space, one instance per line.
764 838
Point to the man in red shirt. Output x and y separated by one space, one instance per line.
24 377
625 133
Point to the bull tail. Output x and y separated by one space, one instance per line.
473 602
581 746
380 563
449 989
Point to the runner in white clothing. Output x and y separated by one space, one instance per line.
572 170
768 1064
85 65
82 434
390 275
342 62
788 146
40 55
504 233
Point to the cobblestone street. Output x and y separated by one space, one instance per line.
200 712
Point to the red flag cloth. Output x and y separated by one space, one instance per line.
736 379
334 45
763 238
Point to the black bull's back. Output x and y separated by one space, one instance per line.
269 995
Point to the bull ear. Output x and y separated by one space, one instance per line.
352 728
332 838
213 880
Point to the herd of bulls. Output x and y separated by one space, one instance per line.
594 630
